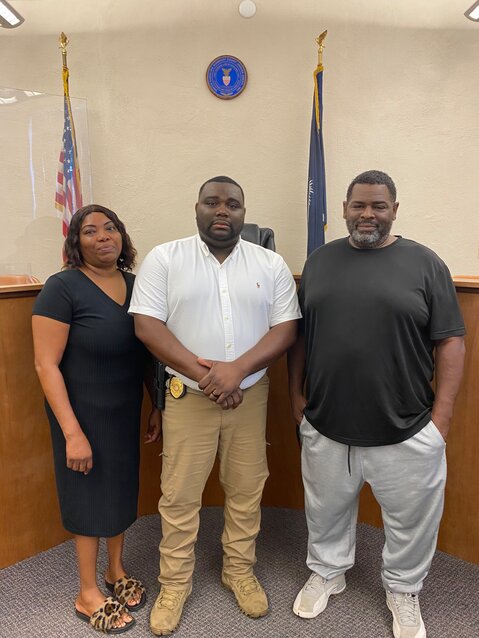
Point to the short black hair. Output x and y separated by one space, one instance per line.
373 177
221 179
73 256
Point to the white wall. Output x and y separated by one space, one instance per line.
397 98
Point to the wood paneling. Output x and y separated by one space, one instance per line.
459 533
30 520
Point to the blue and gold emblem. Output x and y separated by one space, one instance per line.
226 77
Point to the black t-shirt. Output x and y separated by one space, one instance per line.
370 318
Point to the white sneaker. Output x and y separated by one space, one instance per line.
313 598
407 619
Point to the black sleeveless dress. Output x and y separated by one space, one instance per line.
102 366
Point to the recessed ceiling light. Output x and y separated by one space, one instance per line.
473 12
9 18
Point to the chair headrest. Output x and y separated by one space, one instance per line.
261 236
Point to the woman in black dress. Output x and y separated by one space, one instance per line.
91 368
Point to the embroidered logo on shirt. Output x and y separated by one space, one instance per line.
257 285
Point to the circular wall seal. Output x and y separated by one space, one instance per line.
226 77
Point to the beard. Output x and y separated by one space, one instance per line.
369 239
223 235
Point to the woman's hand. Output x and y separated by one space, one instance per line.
78 453
153 433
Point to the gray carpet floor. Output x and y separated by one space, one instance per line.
36 595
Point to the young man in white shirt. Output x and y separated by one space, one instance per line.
217 310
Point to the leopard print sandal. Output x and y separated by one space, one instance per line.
102 619
124 588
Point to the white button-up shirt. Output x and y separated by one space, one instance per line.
217 311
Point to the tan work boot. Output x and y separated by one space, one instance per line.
249 594
166 612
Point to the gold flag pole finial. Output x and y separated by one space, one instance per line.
62 44
320 41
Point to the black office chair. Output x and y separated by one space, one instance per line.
256 235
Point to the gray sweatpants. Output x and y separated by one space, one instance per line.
407 480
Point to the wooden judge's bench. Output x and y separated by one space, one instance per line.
30 520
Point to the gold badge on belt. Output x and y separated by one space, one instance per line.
177 388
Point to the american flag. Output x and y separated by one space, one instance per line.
68 198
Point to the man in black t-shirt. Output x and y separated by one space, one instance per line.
380 317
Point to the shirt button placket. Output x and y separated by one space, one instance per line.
227 323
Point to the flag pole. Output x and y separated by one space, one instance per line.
320 41
68 196
62 44
319 69
316 196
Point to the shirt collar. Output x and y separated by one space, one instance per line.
206 251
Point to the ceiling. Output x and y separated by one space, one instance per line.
52 16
